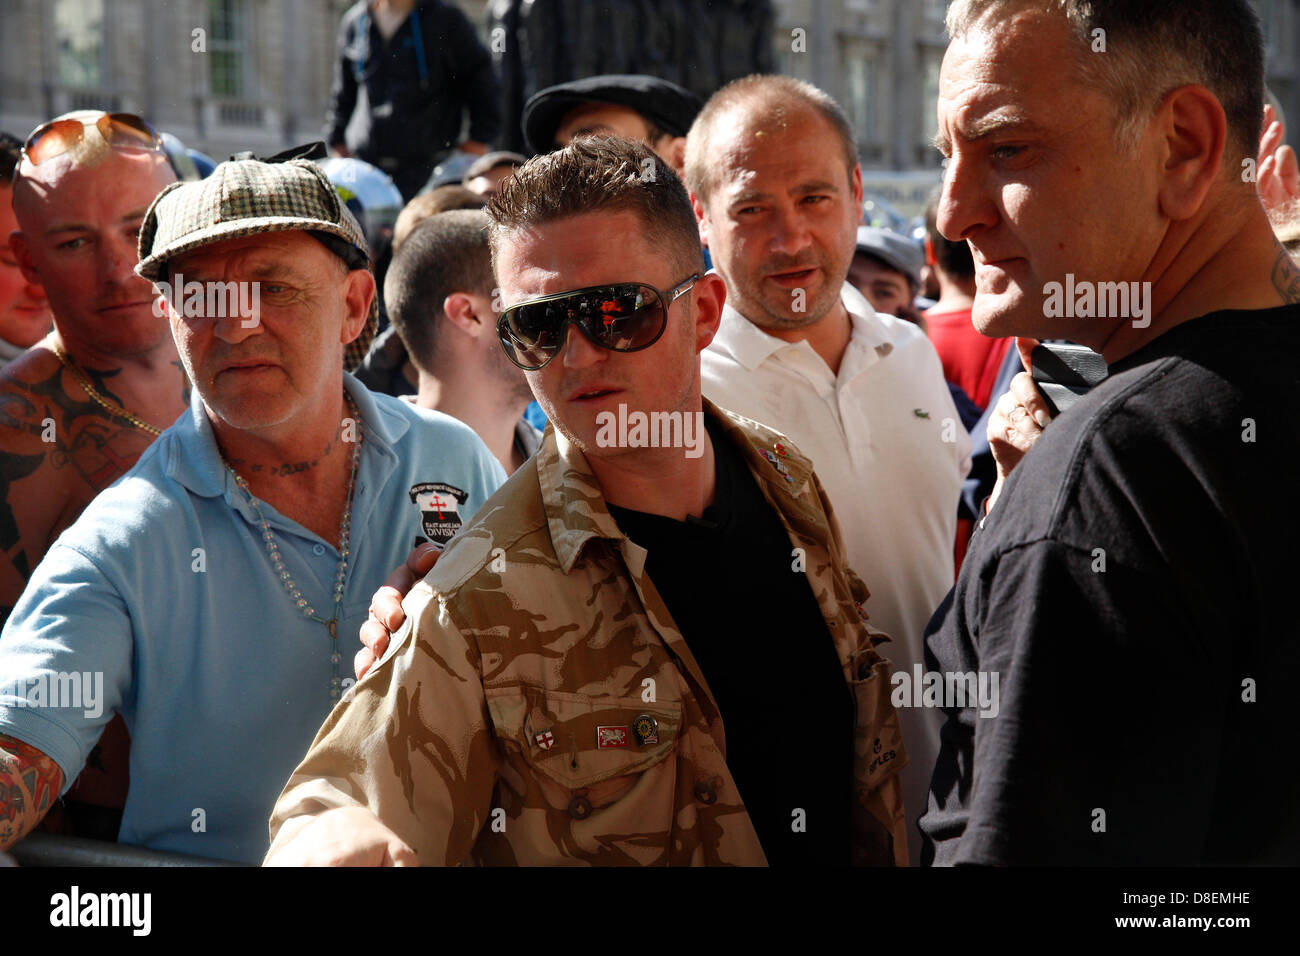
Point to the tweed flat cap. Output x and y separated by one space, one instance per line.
244 198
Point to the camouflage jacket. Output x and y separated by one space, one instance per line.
475 739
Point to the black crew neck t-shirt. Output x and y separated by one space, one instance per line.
758 634
1134 589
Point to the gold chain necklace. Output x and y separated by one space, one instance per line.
112 409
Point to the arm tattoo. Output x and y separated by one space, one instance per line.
1286 278
29 785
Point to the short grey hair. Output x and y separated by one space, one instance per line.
1154 47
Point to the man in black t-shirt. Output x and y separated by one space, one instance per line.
1131 589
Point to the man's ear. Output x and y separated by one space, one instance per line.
467 314
701 219
358 293
23 253
930 259
673 152
1194 129
855 186
710 295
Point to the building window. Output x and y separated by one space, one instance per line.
931 60
935 13
79 35
860 93
228 53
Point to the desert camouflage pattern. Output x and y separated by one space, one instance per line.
476 738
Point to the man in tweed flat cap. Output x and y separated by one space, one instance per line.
213 596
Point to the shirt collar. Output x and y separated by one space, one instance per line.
193 460
751 346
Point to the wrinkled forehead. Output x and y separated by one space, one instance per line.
595 248
1010 69
781 145
286 253
61 185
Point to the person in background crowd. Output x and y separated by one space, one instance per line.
439 292
218 588
772 168
485 173
24 314
970 360
387 367
406 73
517 724
1147 527
82 405
641 108
442 199
1279 182
886 269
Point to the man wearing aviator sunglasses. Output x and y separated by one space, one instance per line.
561 692
80 407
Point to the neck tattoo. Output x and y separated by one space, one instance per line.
117 411
286 579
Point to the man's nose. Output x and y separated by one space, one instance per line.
580 351
791 232
964 205
118 262
230 326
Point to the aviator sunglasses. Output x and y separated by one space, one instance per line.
120 131
621 317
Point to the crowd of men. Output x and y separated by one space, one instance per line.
802 570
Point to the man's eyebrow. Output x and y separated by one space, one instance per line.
986 126
133 216
802 189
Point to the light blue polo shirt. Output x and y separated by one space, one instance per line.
164 586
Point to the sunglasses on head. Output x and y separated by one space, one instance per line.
120 131
622 317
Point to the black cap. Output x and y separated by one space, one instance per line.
670 107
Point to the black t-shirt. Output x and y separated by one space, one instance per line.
1134 589
762 643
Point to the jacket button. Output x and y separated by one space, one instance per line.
579 808
706 793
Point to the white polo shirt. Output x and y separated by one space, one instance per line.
891 452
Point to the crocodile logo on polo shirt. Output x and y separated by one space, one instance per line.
439 505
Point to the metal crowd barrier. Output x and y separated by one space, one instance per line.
46 849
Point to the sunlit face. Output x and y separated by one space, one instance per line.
79 226
282 363
602 119
585 379
781 219
1035 182
886 289
24 313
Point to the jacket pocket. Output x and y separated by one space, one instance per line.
594 747
877 739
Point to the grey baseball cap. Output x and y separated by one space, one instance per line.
898 252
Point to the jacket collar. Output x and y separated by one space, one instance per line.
575 507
